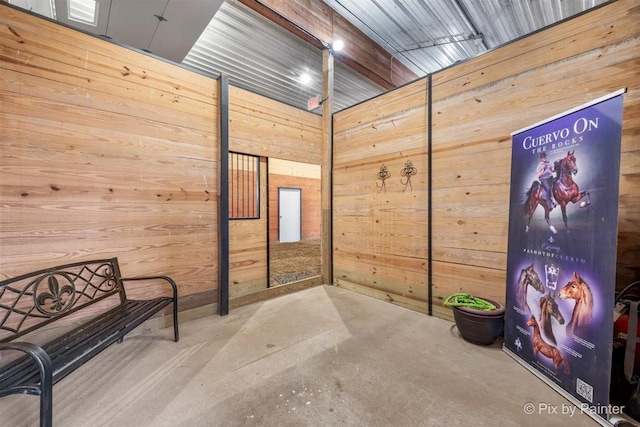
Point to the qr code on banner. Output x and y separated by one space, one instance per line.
584 390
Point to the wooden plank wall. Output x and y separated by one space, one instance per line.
270 129
110 152
105 152
380 232
248 248
476 106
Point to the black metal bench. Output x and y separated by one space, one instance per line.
31 303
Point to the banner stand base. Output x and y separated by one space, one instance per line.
563 392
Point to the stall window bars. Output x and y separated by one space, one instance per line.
244 186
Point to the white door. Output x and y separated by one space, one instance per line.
290 215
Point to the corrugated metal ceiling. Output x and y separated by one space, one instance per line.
425 35
428 35
260 56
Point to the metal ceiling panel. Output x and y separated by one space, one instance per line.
163 27
181 26
501 21
260 56
424 35
134 23
428 35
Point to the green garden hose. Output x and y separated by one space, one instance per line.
468 301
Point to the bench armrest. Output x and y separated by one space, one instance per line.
41 358
166 278
175 297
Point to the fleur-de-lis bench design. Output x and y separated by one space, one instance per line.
57 296
89 295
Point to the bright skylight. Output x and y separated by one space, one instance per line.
84 11
41 7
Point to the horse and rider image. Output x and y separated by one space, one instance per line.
554 186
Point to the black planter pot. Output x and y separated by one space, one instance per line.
480 326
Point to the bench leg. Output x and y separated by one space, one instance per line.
46 407
176 335
120 340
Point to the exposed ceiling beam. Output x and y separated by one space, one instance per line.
318 24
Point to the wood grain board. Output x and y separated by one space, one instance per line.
105 152
110 152
476 106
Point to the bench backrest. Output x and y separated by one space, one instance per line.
36 299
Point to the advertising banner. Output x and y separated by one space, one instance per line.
561 258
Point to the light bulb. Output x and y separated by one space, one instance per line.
305 78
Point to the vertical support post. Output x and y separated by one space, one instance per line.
223 195
326 182
429 197
266 200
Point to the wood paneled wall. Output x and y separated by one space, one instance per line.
476 106
267 128
380 229
248 248
105 152
110 152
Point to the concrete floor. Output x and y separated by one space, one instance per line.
324 356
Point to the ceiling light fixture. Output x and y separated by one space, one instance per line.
337 45
305 78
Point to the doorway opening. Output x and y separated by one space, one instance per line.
294 222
